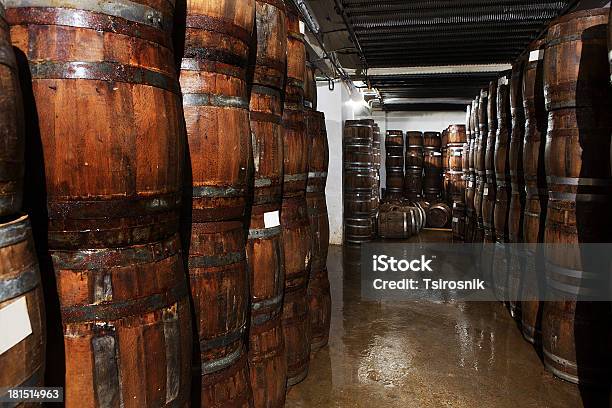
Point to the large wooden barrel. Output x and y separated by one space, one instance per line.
455 141
469 176
536 123
575 334
432 165
413 182
438 215
480 120
113 194
318 285
501 161
394 164
12 138
488 197
22 355
266 356
445 165
398 220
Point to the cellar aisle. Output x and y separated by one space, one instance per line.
421 354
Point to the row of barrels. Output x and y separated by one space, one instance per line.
179 211
537 166
360 180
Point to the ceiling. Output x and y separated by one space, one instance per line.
469 40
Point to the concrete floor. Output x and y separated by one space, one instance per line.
423 354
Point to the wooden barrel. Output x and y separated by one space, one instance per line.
469 176
376 161
438 215
577 161
458 221
445 165
296 237
266 356
456 139
394 164
106 197
318 285
480 120
21 300
488 194
536 123
432 165
398 220
11 127
310 88
413 181
501 159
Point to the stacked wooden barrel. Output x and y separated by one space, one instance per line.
294 213
432 166
488 197
113 195
536 123
480 122
376 160
445 168
575 334
394 164
216 105
469 176
457 137
413 181
358 181
22 354
267 358
398 220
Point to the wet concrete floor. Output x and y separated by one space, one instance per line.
424 354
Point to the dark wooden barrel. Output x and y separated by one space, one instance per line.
266 355
296 236
358 189
318 285
536 123
458 221
432 165
413 181
394 164
469 176
488 194
480 120
397 220
112 208
575 335
445 165
310 88
438 215
21 299
456 139
501 161
376 164
11 127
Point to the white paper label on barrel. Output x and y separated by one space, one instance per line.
486 191
457 153
503 81
437 154
271 219
536 55
455 219
15 323
471 184
302 27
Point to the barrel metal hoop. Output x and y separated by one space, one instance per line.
317 174
116 310
208 261
14 232
279 4
266 117
104 259
195 64
263 62
581 197
215 192
570 273
222 101
258 233
103 71
217 25
224 340
263 182
24 282
212 54
580 181
295 36
265 303
295 177
126 9
598 32
213 366
266 90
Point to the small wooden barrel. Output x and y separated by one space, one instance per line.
310 88
488 198
438 215
270 65
11 127
536 123
296 237
458 221
394 164
501 161
398 220
21 298
577 161
432 165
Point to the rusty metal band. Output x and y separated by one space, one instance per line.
27 280
103 259
317 174
211 54
266 117
279 4
193 64
219 26
598 32
536 191
223 341
264 232
579 275
280 66
212 366
297 36
125 9
580 181
564 363
116 310
103 71
213 261
7 57
112 208
89 20
266 90
274 302
295 108
532 214
14 232
288 178
222 101
263 182
215 192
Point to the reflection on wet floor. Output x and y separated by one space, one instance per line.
424 354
